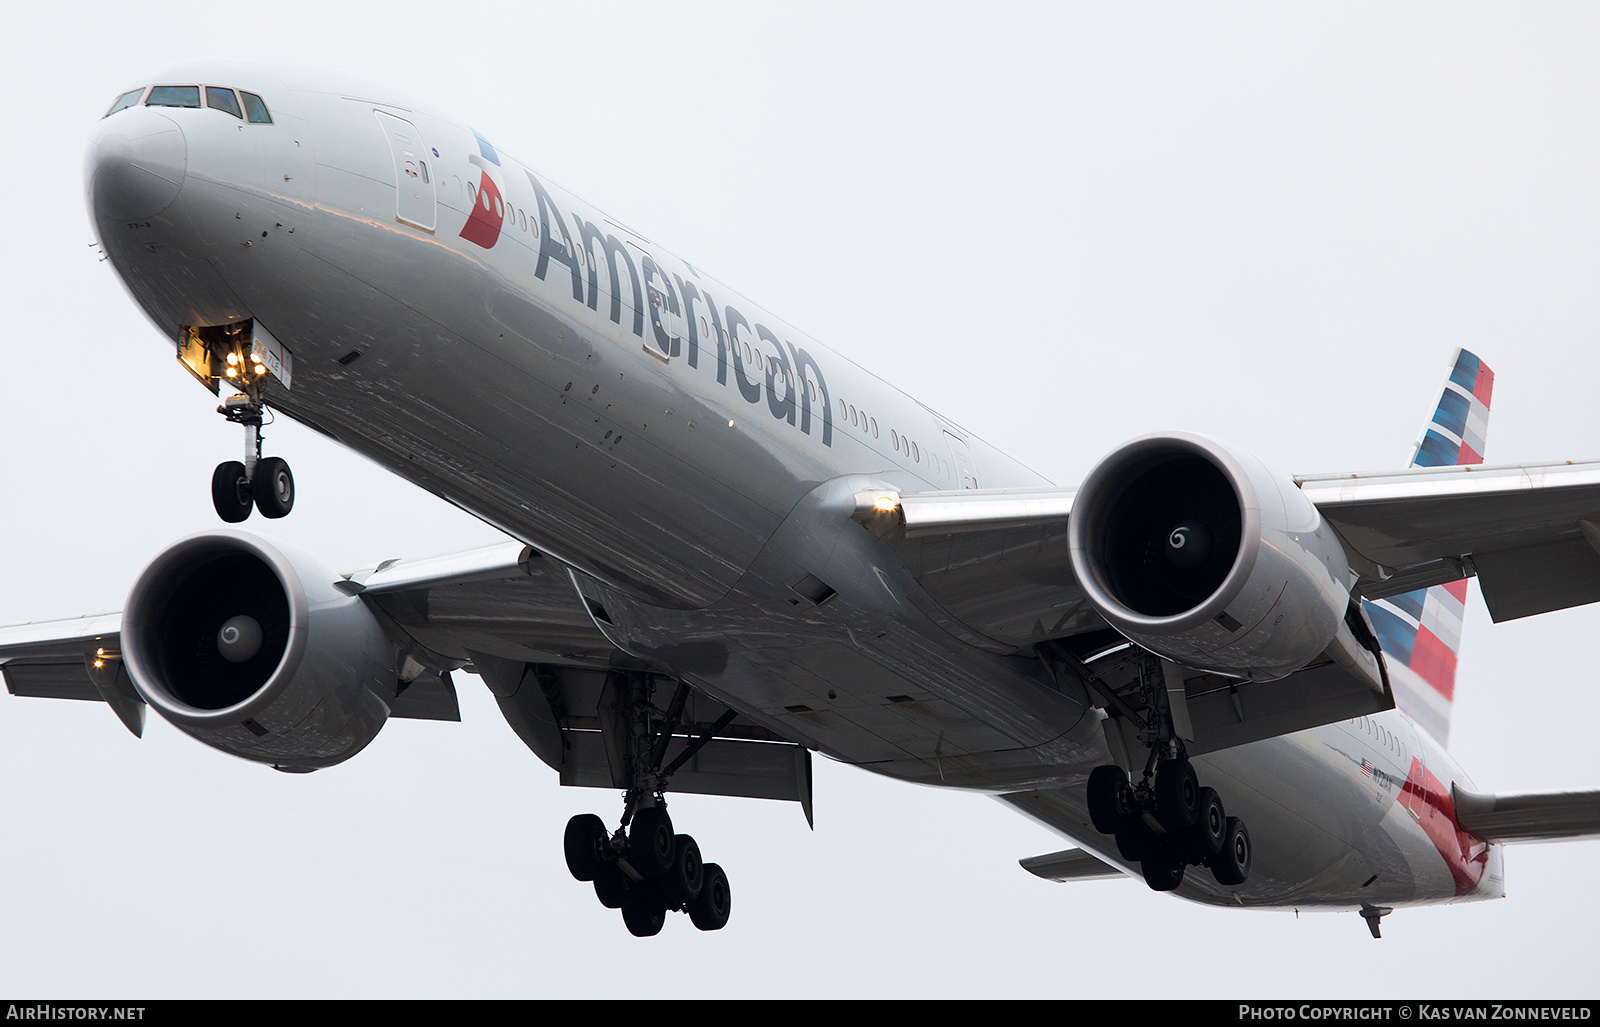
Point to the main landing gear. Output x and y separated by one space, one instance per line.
643 868
261 483
647 871
1169 822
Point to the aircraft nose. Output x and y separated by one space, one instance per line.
136 163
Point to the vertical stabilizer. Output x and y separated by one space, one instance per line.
1421 631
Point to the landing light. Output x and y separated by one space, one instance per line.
233 372
886 503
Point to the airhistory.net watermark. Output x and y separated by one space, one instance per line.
45 1011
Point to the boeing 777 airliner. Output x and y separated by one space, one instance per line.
734 547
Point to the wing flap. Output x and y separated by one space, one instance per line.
1070 865
49 678
1546 816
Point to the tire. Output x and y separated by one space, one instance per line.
583 843
1110 798
709 911
651 841
1177 796
644 913
230 493
273 487
1163 868
1206 837
1231 866
681 885
611 888
1132 841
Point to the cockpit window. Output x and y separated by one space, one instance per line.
223 100
173 96
255 109
126 100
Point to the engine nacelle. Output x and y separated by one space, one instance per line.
247 646
1200 554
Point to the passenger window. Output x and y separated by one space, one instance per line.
223 100
874 427
173 96
916 454
125 101
255 109
522 219
894 439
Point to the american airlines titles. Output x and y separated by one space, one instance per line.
785 375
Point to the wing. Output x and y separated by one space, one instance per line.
1528 531
503 612
997 559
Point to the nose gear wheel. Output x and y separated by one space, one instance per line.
260 483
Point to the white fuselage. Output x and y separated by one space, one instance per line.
486 334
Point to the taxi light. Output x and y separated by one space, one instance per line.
233 358
233 372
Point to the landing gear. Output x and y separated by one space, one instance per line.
647 874
1167 820
643 868
1169 823
264 483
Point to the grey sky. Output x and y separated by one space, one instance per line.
1267 223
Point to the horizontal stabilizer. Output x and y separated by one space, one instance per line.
1070 865
1547 816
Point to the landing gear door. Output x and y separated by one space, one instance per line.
416 202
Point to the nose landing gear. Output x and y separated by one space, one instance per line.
263 483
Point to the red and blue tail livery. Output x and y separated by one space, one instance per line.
1420 631
1455 436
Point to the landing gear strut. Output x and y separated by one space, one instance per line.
263 483
643 868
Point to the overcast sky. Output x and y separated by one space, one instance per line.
1267 223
